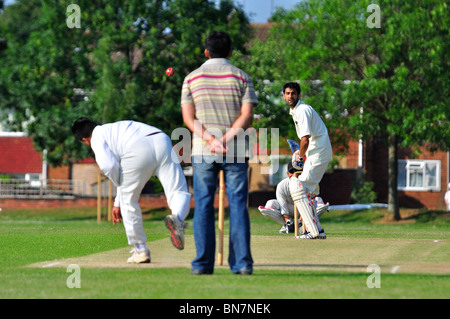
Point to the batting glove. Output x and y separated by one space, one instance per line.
297 161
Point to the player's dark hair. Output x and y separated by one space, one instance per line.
293 86
218 44
83 127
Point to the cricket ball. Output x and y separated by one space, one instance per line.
170 72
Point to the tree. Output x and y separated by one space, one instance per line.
111 68
397 74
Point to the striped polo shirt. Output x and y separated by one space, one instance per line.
217 89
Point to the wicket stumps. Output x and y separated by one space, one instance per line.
100 179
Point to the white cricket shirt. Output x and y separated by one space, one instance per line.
308 122
110 141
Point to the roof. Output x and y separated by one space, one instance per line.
89 160
261 31
18 156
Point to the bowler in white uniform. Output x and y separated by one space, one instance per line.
129 153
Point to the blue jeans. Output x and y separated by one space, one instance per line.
205 185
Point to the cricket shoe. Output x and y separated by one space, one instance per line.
283 229
176 228
322 235
139 257
289 227
306 235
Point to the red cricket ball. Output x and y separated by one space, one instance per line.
170 72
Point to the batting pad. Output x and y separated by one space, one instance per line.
304 206
321 209
306 211
272 213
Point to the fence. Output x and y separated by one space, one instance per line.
50 188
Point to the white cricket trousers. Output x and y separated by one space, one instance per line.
316 165
150 156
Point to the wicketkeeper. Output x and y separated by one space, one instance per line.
313 157
129 153
281 209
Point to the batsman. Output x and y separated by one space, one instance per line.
313 157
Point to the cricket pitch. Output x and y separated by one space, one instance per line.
286 252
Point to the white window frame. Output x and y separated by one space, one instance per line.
410 166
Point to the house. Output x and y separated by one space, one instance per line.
422 179
85 171
18 157
25 173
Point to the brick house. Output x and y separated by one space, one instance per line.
18 157
20 160
422 179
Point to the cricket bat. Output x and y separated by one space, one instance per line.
294 146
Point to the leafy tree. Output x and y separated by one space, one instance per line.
362 190
397 74
111 68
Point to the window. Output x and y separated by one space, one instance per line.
419 175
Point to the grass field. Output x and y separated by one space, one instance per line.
413 256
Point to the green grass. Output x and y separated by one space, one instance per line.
31 236
177 283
